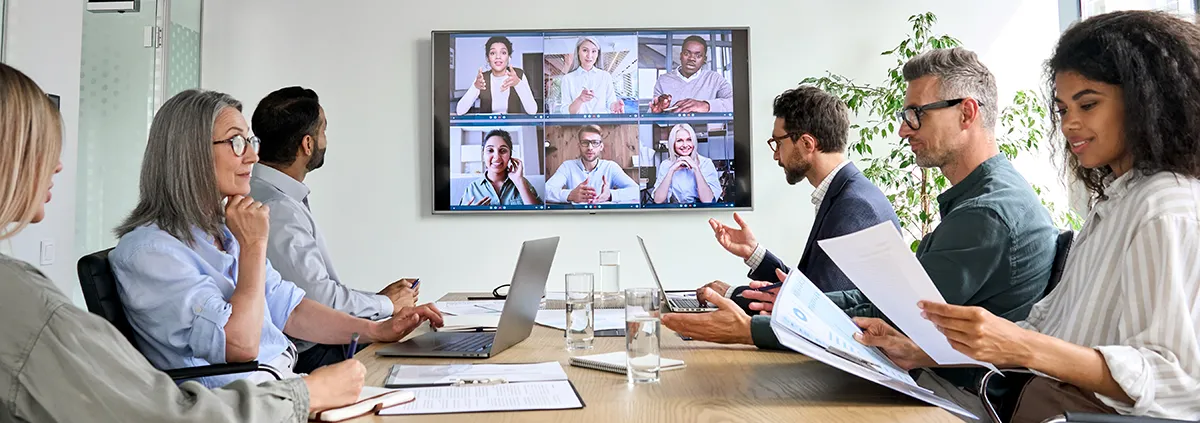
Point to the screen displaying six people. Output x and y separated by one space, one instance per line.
591 121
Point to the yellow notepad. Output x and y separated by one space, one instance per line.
370 401
615 362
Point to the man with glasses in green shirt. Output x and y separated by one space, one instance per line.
995 243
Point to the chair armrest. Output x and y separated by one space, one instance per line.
1108 418
983 392
219 369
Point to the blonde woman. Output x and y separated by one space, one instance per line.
55 354
588 88
686 177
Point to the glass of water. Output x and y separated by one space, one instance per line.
642 327
580 298
609 289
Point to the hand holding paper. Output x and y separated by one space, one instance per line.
980 334
885 270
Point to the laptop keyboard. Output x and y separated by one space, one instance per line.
474 343
685 302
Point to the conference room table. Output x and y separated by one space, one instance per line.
721 383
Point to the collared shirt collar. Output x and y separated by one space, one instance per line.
281 181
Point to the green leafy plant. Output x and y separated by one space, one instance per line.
913 190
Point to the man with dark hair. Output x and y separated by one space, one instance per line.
291 123
698 90
809 141
590 179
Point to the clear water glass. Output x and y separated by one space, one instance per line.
580 300
642 329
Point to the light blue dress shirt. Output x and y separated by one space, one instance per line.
683 184
177 299
297 249
570 174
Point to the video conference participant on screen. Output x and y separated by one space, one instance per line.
504 183
698 90
590 179
687 177
494 90
588 88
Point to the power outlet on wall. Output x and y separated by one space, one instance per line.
47 254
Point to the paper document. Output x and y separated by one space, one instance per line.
806 321
557 395
403 375
602 318
464 308
884 268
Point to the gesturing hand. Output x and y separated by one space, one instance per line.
582 193
512 79
739 242
480 84
480 202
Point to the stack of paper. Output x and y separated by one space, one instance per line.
469 388
470 323
464 308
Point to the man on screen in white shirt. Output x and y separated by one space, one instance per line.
590 179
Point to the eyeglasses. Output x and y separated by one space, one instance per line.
238 143
911 115
590 143
773 142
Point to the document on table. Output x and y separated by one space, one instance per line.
602 318
464 308
884 268
806 321
556 395
404 375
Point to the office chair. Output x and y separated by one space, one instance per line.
100 292
1062 246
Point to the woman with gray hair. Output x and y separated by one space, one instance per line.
588 88
59 363
686 177
191 262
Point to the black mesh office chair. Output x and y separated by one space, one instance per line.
1062 246
100 292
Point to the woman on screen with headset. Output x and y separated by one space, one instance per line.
588 88
495 88
687 177
503 183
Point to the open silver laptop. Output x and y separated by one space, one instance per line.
516 320
677 301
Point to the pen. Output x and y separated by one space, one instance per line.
416 282
769 287
353 346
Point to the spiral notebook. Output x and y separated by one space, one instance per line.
615 362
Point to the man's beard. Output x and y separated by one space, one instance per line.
796 173
317 159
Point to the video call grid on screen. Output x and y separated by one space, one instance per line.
610 97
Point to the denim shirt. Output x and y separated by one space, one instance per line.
177 299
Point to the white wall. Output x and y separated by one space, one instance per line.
43 39
370 63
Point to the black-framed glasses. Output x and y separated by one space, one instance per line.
590 143
911 115
773 142
239 143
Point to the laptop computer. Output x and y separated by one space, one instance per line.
516 320
677 301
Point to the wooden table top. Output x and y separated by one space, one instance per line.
721 383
